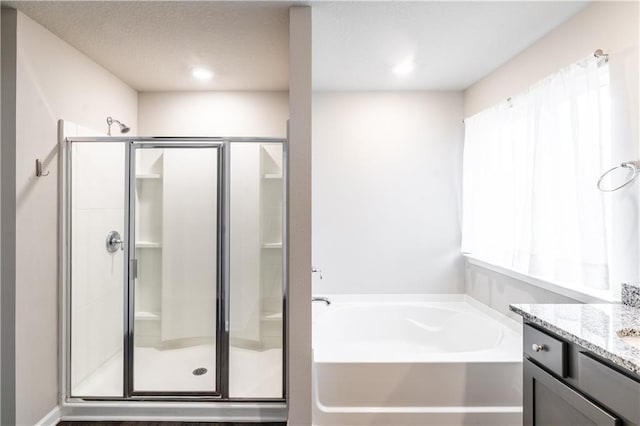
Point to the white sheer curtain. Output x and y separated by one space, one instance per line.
531 164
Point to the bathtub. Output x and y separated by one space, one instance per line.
415 360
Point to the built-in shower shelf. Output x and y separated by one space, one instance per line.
148 244
276 316
149 176
147 316
272 176
272 245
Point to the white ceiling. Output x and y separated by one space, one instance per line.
453 44
152 45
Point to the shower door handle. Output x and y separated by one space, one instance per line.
114 241
133 268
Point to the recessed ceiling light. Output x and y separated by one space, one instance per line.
200 73
404 68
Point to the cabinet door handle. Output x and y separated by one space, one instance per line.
537 348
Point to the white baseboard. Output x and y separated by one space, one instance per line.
51 419
156 411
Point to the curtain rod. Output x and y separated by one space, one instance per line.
598 54
601 55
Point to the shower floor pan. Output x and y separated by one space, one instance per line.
173 370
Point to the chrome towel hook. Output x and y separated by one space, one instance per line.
634 166
39 169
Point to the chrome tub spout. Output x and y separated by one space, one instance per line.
321 299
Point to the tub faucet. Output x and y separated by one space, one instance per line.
321 299
316 270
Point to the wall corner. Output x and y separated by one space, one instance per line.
299 214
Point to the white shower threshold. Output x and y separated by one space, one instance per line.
253 373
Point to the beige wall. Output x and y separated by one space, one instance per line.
8 218
386 192
262 114
613 27
608 25
299 231
54 81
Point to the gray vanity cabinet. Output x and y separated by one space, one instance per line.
550 402
566 385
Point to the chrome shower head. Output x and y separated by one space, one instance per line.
123 127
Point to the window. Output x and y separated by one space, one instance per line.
530 201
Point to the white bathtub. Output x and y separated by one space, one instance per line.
415 360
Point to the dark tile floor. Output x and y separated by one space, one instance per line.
165 424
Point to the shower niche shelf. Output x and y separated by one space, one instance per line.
148 244
272 176
149 176
272 245
147 316
149 195
271 193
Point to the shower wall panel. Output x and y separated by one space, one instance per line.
189 233
256 277
98 172
245 245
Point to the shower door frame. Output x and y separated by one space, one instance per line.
222 288
223 144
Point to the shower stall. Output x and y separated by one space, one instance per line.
174 269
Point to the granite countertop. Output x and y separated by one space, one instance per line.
593 326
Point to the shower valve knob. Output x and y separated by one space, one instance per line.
114 242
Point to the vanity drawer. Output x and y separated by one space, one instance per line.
546 350
610 387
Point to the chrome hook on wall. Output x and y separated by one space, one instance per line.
39 169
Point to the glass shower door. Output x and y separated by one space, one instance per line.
174 271
174 263
256 260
